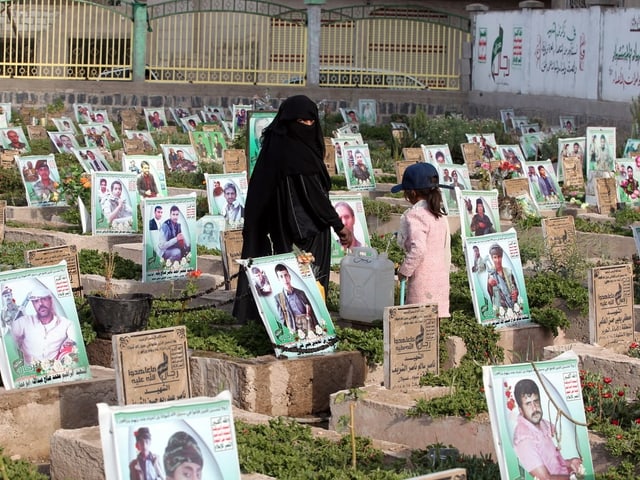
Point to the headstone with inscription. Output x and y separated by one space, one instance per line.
54 255
3 211
472 154
231 251
412 154
401 166
572 171
411 334
611 305
234 160
330 156
559 238
606 196
152 366
37 132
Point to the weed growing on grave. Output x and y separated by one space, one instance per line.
18 469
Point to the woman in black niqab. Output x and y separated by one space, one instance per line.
288 197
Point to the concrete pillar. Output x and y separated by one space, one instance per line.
314 15
466 61
139 39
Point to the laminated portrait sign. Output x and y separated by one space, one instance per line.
227 194
53 256
496 279
41 337
600 154
180 158
506 116
330 156
41 180
513 154
258 121
341 140
487 144
455 176
631 148
538 419
191 438
114 200
544 185
357 167
210 228
152 366
400 167
479 213
151 179
92 159
155 118
367 111
291 305
627 175
435 154
240 115
169 237
144 138
350 209
570 147
611 319
13 138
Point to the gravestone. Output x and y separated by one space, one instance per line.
611 305
54 255
472 154
401 166
559 238
411 346
330 156
235 160
606 195
572 170
152 366
412 154
231 250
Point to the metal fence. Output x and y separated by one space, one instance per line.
230 42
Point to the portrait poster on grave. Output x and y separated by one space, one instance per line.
357 167
551 397
367 111
114 204
626 175
411 334
130 119
240 115
154 118
496 279
8 159
147 142
506 116
350 209
453 175
631 148
64 142
54 255
92 159
559 235
152 366
226 195
488 146
231 243
478 211
41 180
611 305
194 438
435 154
635 229
544 185
169 237
180 158
513 154
201 142
606 197
41 337
291 305
573 177
472 154
570 147
519 189
13 138
235 160
341 140
600 155
151 179
210 228
258 121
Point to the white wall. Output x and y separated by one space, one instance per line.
559 52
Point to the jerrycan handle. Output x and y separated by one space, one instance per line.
364 254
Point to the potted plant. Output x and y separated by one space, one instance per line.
115 313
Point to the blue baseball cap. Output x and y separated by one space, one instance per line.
419 176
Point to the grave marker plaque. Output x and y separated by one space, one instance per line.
559 238
606 197
7 159
611 305
401 166
36 132
54 255
330 156
152 366
231 250
3 210
411 334
235 160
472 154
516 186
572 170
412 155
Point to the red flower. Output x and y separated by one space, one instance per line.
590 409
607 395
194 273
619 437
638 420
621 393
615 422
634 345
607 380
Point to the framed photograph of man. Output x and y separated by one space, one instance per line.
169 237
92 159
83 112
496 279
487 143
201 143
600 154
506 117
212 114
145 137
356 164
5 109
513 154
209 228
544 185
538 421
291 306
570 147
530 142
568 124
190 122
226 194
151 180
435 154
344 140
13 138
453 175
185 439
479 214
519 122
258 121
178 113
114 208
350 209
180 158
218 145
627 174
240 115
65 124
93 135
350 115
41 338
41 180
155 118
64 142
367 111
631 148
